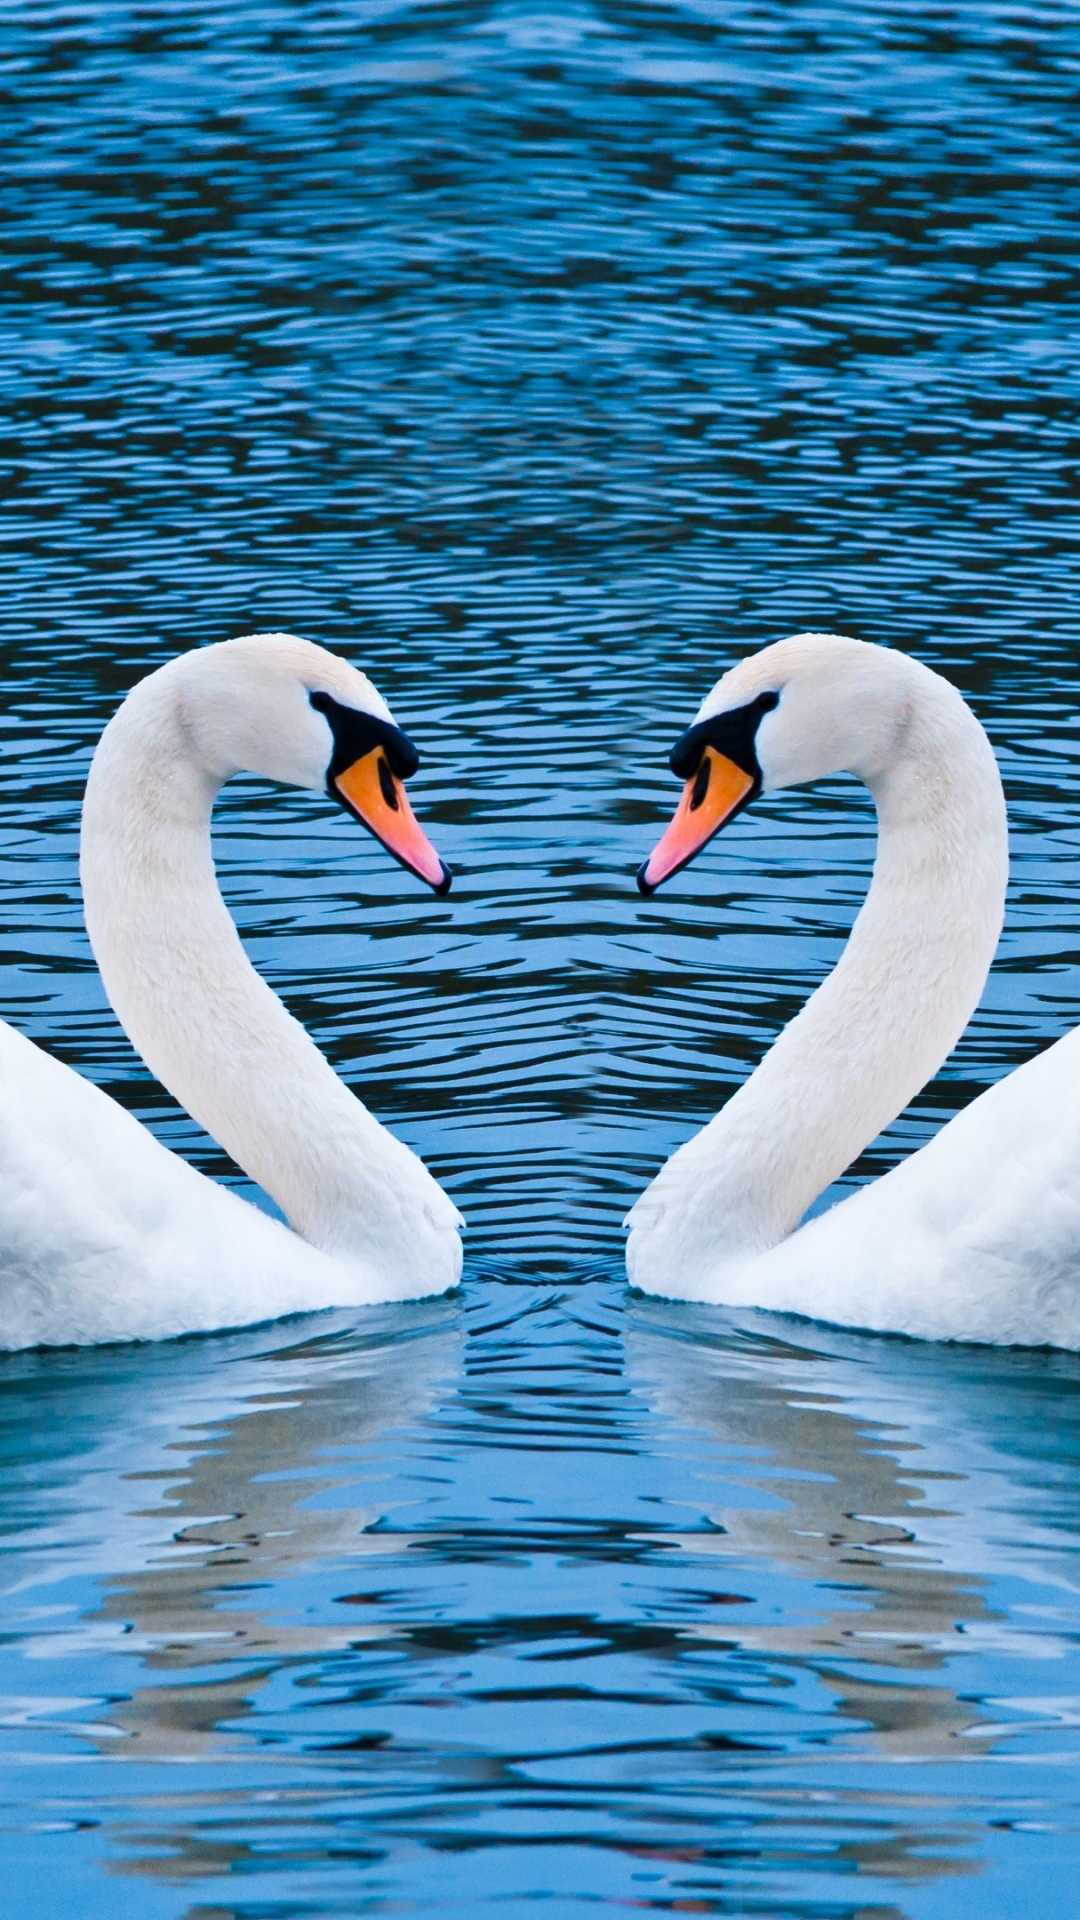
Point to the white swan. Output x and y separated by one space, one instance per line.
976 1236
105 1234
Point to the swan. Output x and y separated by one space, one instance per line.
105 1235
977 1235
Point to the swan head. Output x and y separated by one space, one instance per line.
802 709
285 709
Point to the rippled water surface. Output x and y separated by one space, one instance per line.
545 360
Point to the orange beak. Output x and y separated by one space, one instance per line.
718 789
372 792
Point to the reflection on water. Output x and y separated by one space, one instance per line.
900 1483
648 1605
256 1481
266 1495
545 358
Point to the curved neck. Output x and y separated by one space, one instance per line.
905 987
179 981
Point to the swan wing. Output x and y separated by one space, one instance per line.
974 1237
106 1235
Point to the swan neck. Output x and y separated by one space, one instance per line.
175 972
907 983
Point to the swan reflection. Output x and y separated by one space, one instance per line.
251 1454
900 1483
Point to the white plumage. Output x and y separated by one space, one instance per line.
976 1236
105 1234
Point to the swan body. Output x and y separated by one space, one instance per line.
104 1234
977 1235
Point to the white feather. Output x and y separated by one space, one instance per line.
976 1236
105 1234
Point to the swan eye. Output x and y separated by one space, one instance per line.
386 782
701 785
356 734
732 733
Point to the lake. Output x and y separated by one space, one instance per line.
544 360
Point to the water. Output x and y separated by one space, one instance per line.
545 361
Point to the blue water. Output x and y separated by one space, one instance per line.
545 361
